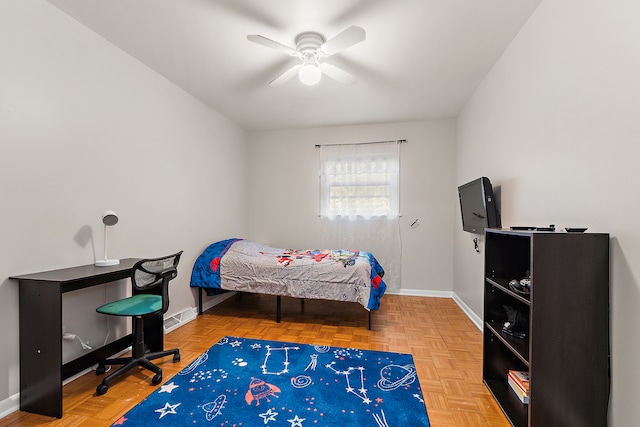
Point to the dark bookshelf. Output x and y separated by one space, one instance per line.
566 349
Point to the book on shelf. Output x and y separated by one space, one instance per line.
519 383
524 397
521 378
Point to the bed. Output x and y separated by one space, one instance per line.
330 274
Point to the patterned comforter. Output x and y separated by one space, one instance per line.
246 266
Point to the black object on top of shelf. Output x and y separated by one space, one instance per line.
575 230
551 227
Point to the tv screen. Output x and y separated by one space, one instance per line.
478 206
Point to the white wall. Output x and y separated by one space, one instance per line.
84 128
555 125
284 189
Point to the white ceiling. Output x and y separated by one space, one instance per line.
422 59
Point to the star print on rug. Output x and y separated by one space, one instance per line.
168 409
168 388
270 415
296 422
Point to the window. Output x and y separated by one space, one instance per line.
359 180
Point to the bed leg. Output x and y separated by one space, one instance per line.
199 301
369 311
302 305
278 306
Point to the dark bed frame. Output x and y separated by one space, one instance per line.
278 306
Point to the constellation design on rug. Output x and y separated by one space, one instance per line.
285 362
394 376
362 391
313 363
213 409
381 420
322 348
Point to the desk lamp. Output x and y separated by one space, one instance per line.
108 218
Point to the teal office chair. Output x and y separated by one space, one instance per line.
150 279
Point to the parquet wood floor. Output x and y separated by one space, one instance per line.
446 348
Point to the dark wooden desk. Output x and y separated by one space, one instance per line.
41 368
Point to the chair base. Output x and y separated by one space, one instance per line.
129 363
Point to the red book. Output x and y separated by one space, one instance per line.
521 379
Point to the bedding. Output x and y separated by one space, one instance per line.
247 266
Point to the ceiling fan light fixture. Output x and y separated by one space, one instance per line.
310 74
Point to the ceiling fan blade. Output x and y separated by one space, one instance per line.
286 76
338 74
345 39
272 44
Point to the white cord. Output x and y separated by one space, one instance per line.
70 336
85 346
108 332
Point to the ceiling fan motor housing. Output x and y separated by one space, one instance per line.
309 42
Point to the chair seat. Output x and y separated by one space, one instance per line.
137 305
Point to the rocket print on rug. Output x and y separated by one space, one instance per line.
247 382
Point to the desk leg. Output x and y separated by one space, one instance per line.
41 348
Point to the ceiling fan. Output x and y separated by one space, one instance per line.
311 48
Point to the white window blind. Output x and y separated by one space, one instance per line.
359 180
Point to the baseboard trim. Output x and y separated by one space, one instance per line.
475 319
215 300
9 405
422 293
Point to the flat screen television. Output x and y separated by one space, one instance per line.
478 206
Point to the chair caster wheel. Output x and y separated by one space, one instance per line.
102 389
157 379
176 358
100 370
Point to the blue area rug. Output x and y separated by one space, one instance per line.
246 382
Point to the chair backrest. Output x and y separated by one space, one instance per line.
147 275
